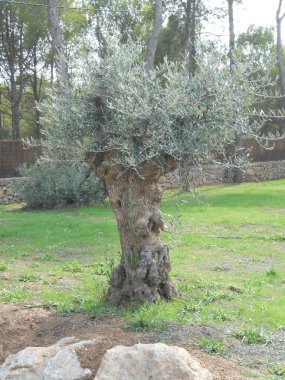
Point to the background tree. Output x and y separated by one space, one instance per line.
257 45
152 43
15 58
280 60
232 46
281 66
23 36
26 58
57 45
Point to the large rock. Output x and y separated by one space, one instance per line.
150 361
57 362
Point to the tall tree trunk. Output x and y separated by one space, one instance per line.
57 46
38 124
1 114
36 86
238 135
191 10
143 273
188 33
281 67
15 120
280 64
51 72
102 44
231 34
152 43
193 36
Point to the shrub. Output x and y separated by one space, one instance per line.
46 184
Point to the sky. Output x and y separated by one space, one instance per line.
257 12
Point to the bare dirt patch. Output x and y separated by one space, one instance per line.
21 327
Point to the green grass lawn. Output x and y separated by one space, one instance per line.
228 258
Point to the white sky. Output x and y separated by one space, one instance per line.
257 12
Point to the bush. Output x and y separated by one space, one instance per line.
47 185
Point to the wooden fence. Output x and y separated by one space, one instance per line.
13 154
259 154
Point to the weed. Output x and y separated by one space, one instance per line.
93 307
3 268
184 286
49 282
65 309
221 268
278 371
272 272
145 318
104 268
212 296
213 347
14 295
141 324
190 307
25 277
73 267
47 257
221 316
250 336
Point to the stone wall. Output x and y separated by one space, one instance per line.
212 175
8 187
207 175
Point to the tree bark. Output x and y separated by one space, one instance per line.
152 43
188 33
1 114
281 67
36 86
191 9
57 46
238 134
231 34
143 273
16 120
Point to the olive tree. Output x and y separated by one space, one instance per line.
132 125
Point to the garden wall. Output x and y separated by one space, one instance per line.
8 188
211 175
208 175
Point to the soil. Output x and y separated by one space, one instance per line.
22 326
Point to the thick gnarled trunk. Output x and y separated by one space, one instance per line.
143 273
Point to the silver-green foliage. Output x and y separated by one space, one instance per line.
47 184
117 105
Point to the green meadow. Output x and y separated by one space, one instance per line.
227 249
